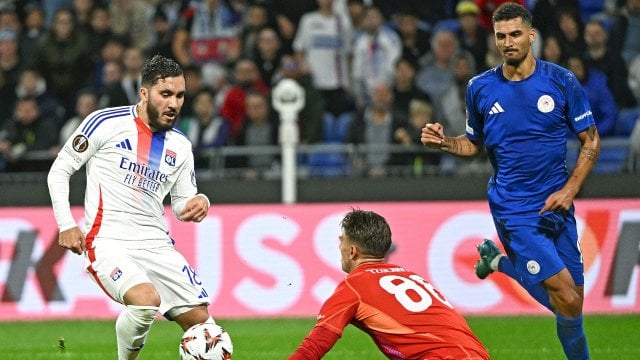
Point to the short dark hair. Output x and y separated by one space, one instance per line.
409 60
159 67
205 90
369 231
509 11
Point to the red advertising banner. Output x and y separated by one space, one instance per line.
283 260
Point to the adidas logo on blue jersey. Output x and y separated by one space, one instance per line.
124 144
496 109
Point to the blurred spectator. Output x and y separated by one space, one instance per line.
33 31
453 114
452 103
82 11
162 35
267 54
602 57
217 77
594 83
634 140
258 128
52 6
288 15
375 53
551 50
494 57
404 87
110 53
415 38
437 72
626 31
256 18
436 68
204 129
32 84
112 73
247 78
86 103
429 12
171 9
571 30
612 7
590 9
112 50
130 19
420 114
193 85
487 7
356 11
99 30
341 7
8 96
127 90
10 60
28 142
634 77
375 125
544 11
310 117
9 19
63 58
323 42
208 31
472 36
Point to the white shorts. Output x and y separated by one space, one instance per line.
117 268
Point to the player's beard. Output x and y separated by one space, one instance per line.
515 62
154 119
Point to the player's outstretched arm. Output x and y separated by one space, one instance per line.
317 343
433 137
589 151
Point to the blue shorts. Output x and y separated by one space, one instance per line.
542 246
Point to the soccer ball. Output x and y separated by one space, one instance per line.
205 341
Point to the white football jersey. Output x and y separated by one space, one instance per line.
130 170
326 42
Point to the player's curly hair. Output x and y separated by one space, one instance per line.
509 11
157 68
369 231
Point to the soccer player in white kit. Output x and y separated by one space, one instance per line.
134 158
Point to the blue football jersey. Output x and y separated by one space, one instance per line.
523 125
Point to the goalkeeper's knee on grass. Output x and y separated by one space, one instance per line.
132 328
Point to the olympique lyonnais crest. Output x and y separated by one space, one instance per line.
170 157
115 274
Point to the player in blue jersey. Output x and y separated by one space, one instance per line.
520 112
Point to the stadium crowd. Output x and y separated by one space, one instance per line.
373 71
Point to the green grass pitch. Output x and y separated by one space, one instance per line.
610 337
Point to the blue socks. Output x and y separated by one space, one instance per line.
571 335
535 290
569 330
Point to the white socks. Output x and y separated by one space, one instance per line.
132 328
494 263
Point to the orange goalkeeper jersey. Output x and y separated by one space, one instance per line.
406 317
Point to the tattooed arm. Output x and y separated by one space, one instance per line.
589 151
433 137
